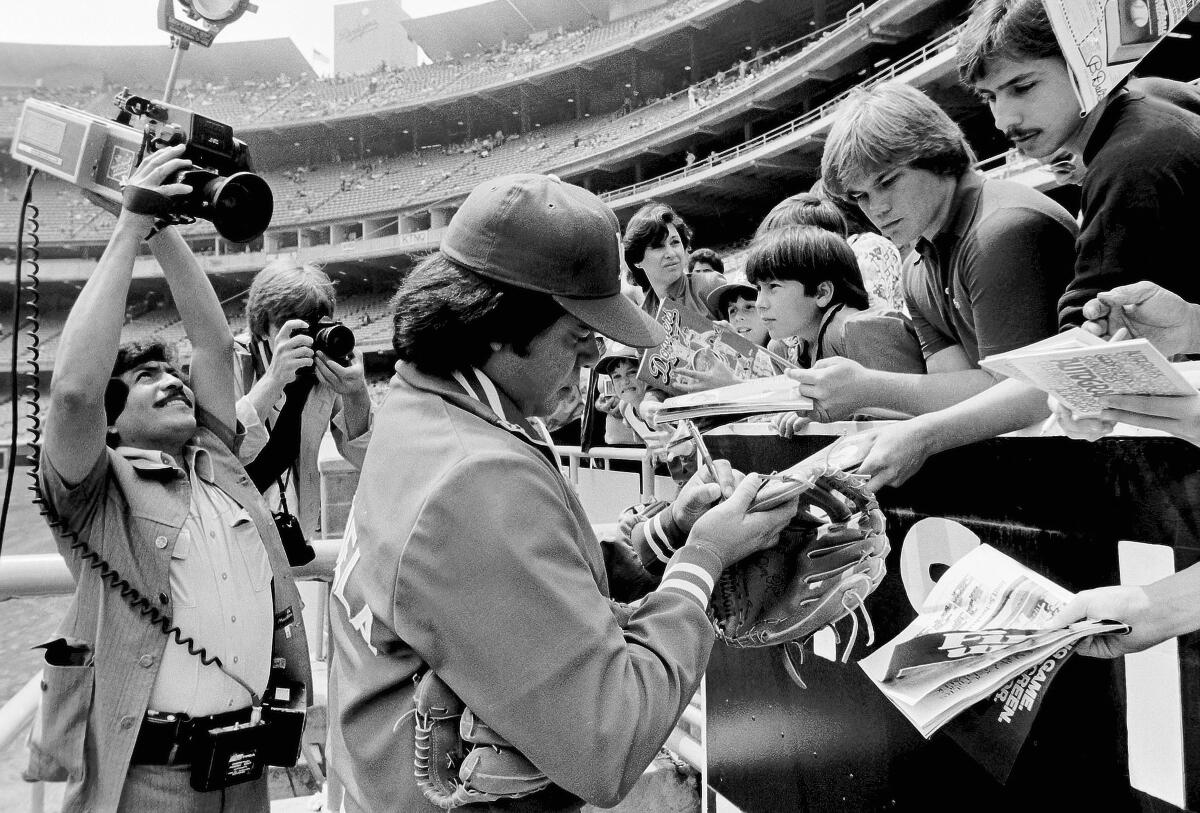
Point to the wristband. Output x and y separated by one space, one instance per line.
142 201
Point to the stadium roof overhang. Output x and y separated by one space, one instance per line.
478 28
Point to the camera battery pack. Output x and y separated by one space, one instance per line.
284 711
227 756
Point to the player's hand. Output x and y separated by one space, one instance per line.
291 353
344 379
1149 311
787 424
733 534
700 493
836 385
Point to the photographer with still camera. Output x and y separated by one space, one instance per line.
163 531
300 374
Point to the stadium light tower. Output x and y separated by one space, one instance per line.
201 22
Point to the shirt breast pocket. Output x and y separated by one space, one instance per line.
250 547
182 593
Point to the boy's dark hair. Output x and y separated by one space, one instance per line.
1012 29
648 228
129 355
808 255
446 317
804 209
709 257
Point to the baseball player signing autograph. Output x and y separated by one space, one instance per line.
478 657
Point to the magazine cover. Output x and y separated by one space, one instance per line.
694 343
1103 40
1080 374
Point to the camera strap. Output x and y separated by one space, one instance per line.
143 201
283 445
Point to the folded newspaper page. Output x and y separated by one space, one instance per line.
1103 40
988 624
1079 369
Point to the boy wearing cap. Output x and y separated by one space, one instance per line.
474 559
624 425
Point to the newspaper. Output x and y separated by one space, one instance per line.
986 630
1079 369
1103 40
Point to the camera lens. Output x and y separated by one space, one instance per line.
239 206
335 341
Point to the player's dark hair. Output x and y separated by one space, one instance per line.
446 317
1010 29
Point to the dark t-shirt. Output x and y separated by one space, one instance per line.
1141 194
991 279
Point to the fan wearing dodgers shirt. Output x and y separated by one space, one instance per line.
468 554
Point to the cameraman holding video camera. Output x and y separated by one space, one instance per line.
158 520
299 374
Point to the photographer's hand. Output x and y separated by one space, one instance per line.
290 354
153 175
350 382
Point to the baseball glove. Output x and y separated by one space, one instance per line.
828 560
459 760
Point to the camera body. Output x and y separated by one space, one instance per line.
98 155
332 338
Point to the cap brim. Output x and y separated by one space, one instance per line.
717 296
617 318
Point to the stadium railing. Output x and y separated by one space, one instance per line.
922 56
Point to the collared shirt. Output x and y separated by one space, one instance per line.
990 280
692 289
220 593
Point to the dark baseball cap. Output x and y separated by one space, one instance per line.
541 234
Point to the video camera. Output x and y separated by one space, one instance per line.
98 155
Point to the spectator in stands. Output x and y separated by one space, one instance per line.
489 329
657 245
619 364
1140 149
735 303
810 289
994 257
704 260
689 158
879 259
141 468
290 395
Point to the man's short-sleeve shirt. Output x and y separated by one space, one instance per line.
990 280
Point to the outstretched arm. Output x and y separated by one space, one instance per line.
75 424
212 378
